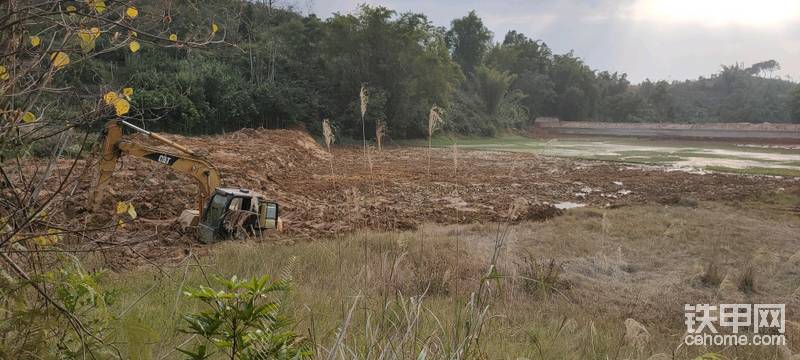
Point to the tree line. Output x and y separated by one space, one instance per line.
280 68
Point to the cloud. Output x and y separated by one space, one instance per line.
718 13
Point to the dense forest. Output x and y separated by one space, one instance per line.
280 68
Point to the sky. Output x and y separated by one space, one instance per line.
647 39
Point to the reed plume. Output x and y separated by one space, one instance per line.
327 132
435 122
380 132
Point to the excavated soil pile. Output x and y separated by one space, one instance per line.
398 188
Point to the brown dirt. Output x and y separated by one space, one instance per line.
403 189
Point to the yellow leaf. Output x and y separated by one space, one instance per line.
71 9
3 73
120 223
88 38
28 117
98 5
122 106
134 34
53 237
110 97
35 41
132 12
128 92
122 207
173 37
131 211
59 59
134 46
126 207
214 28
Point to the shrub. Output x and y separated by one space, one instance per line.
541 277
243 321
77 329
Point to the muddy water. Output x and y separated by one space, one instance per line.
679 155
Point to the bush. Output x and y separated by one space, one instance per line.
49 332
243 321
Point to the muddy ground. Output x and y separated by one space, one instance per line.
398 188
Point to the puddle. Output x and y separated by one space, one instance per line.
568 205
673 156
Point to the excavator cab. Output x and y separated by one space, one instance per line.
235 213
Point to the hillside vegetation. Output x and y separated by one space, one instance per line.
279 68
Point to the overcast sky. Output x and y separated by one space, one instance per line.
656 39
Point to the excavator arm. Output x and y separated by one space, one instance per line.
183 161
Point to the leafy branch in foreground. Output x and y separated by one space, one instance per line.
39 331
243 321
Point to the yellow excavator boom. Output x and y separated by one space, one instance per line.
184 161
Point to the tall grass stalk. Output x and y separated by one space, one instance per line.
435 122
455 159
363 97
327 132
380 132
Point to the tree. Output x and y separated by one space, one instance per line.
520 54
492 85
403 57
760 68
469 40
541 98
795 105
575 87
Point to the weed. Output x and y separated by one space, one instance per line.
712 276
746 282
541 277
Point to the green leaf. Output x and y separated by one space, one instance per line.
199 354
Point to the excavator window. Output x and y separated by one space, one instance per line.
216 208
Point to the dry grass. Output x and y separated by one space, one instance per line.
746 282
712 275
425 300
541 277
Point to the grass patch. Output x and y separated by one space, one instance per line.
563 290
419 284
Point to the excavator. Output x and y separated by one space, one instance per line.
221 212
